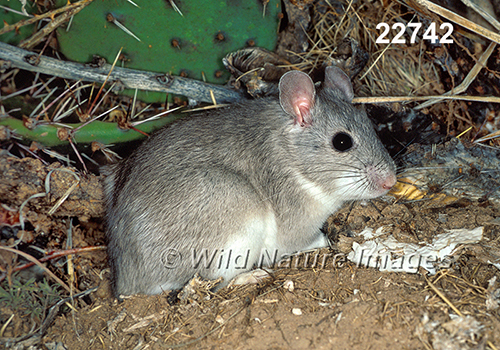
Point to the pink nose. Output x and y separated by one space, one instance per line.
389 181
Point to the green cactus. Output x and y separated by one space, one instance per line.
103 132
189 44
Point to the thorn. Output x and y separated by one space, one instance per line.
42 104
92 119
133 3
264 3
174 6
112 19
132 113
56 99
16 12
102 99
155 116
78 154
106 80
143 110
139 131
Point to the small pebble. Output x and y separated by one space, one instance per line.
289 286
296 311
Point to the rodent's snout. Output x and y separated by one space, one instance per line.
389 181
382 180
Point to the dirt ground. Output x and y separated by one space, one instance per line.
330 304
319 300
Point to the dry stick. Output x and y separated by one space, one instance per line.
491 136
464 85
451 16
490 344
491 99
36 18
38 263
128 78
488 17
442 296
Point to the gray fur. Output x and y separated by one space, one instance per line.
246 176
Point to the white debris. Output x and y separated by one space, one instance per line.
289 286
497 265
456 334
492 295
387 254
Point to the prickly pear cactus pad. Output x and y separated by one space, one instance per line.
180 37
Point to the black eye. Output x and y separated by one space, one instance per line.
342 142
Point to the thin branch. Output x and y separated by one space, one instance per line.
11 56
8 28
39 36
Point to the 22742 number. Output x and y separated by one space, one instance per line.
429 34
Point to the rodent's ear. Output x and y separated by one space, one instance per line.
335 78
297 94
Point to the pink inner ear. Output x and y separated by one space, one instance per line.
302 109
297 94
